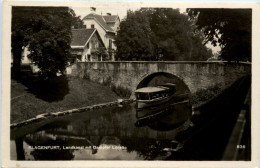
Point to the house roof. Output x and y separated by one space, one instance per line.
100 20
81 36
110 19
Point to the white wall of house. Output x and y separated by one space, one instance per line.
25 59
87 52
115 26
103 34
101 31
84 54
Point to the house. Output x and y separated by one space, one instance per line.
106 27
85 44
112 21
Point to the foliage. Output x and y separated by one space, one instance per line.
160 34
134 37
111 53
230 28
172 31
77 23
204 95
121 91
46 31
101 52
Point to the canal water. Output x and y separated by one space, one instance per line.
112 133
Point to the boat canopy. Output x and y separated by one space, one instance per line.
151 89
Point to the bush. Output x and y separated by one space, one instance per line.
203 95
122 92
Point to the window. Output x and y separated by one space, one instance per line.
92 26
88 46
93 45
110 44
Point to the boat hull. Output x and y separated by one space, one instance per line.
141 104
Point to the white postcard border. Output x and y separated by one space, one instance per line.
6 62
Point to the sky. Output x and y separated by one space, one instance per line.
110 8
101 9
119 9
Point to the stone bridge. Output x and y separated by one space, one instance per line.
188 76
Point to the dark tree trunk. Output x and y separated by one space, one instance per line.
17 56
19 149
17 48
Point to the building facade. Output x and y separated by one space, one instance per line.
106 26
87 45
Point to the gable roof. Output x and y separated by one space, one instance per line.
80 37
100 20
110 19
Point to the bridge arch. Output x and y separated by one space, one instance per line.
193 76
157 78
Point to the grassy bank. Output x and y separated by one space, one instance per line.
203 95
26 103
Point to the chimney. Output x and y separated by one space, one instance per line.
108 14
92 9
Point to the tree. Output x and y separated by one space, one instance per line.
46 31
133 40
230 28
165 35
172 33
77 23
101 52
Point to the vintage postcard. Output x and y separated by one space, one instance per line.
130 84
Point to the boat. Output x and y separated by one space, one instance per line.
148 97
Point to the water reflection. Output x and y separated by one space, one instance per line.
106 134
166 117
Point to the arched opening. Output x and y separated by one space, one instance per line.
176 111
158 78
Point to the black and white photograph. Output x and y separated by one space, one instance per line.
130 81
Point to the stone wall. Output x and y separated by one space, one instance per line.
196 75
